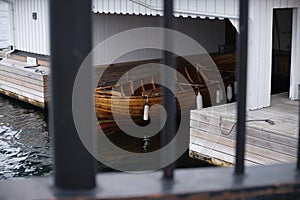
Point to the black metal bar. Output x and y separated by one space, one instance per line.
70 24
169 101
298 158
242 87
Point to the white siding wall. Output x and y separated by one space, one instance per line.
4 25
295 59
31 35
208 33
184 8
260 52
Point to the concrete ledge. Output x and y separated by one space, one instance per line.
266 182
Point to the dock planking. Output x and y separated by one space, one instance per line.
26 84
265 143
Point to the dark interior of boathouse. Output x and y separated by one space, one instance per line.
75 172
281 55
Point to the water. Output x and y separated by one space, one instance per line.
25 148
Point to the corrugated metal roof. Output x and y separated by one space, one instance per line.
185 8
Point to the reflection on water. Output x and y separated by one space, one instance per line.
25 148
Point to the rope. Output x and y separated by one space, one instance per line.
252 120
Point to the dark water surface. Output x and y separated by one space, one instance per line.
26 148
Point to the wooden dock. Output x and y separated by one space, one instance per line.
30 85
212 141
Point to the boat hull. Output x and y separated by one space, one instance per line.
109 106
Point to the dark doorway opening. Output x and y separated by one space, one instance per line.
230 34
281 50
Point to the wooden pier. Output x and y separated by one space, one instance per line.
30 85
212 141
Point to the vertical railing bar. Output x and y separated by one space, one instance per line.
169 102
298 156
242 88
70 28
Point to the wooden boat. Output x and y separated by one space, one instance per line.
117 99
123 100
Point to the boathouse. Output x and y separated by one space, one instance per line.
273 49
272 87
29 22
204 20
74 168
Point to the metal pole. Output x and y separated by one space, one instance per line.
298 158
70 25
169 101
242 87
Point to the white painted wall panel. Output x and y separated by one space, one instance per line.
94 5
260 51
267 61
236 7
276 3
183 5
210 6
4 25
220 6
291 3
253 56
230 7
31 35
105 6
192 5
295 58
185 8
201 5
283 3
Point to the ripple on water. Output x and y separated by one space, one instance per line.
25 148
